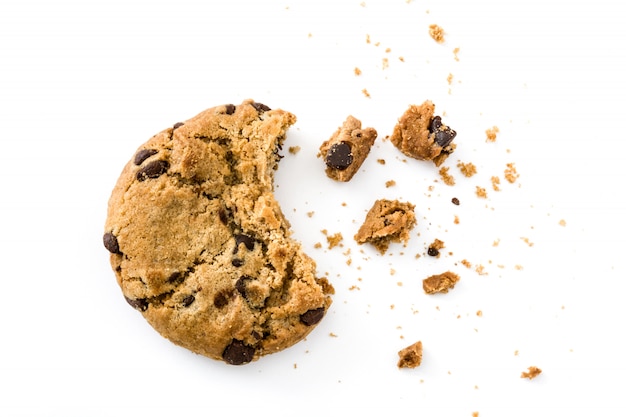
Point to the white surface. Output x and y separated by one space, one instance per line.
83 84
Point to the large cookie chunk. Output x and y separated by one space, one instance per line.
199 244
347 148
422 135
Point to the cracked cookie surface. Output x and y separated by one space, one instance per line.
199 244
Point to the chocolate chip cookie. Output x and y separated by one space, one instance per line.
199 244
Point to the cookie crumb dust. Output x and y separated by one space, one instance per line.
445 176
492 133
467 169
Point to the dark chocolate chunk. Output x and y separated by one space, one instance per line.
223 216
240 285
177 125
140 304
433 251
222 298
339 156
455 201
245 239
238 353
230 108
312 317
443 134
260 107
110 242
176 278
188 300
144 154
237 262
153 170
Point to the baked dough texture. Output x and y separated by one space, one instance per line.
199 244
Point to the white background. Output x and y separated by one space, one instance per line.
83 84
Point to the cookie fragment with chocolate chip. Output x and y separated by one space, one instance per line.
422 135
386 222
199 245
347 148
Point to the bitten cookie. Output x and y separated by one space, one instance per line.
346 149
386 222
199 244
421 135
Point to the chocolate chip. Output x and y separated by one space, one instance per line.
433 251
188 300
238 353
455 201
153 170
339 156
176 278
245 239
177 125
260 107
230 108
110 242
144 154
443 134
223 216
240 285
222 298
237 262
312 317
138 303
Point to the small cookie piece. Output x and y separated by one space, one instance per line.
532 373
410 356
346 149
387 221
421 135
440 283
199 244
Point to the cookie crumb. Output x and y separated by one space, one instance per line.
381 161
310 213
410 356
318 245
456 219
492 133
445 176
481 192
385 63
390 183
466 263
294 149
366 93
436 32
334 240
449 79
479 313
357 71
440 283
562 222
510 173
527 241
480 270
533 372
455 201
456 51
475 413
467 169
495 183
